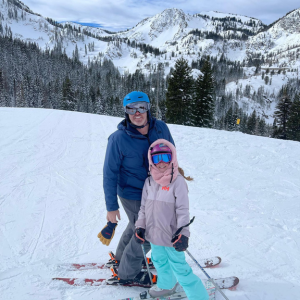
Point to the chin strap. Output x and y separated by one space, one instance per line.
135 126
149 174
138 127
172 173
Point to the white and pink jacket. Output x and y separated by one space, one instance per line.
165 202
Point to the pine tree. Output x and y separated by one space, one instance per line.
282 114
251 124
2 97
261 126
243 122
68 101
179 94
229 120
202 110
293 123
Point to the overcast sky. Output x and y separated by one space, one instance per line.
118 15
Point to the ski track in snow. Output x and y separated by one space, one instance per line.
245 197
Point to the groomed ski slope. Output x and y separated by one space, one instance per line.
246 199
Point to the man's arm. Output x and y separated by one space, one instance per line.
111 169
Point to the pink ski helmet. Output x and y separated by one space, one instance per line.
160 148
161 152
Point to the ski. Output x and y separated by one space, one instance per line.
206 263
179 294
223 283
80 281
95 282
90 266
176 296
227 282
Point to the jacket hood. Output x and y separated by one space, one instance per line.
171 172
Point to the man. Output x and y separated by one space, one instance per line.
124 173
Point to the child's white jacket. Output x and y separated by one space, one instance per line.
163 210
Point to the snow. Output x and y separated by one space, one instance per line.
216 14
245 197
270 90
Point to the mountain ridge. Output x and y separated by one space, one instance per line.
158 41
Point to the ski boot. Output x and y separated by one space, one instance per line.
150 264
142 279
116 280
115 263
112 262
156 292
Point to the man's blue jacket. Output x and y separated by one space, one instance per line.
126 161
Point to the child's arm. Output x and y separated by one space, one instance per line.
182 205
141 221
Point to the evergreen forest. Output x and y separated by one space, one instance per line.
49 79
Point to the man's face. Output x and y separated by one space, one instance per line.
137 113
139 119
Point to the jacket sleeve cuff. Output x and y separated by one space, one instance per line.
140 223
185 232
112 207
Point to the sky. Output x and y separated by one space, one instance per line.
117 15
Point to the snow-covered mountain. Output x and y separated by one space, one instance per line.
281 41
172 31
163 38
173 28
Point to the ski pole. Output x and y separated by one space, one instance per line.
191 256
209 278
143 248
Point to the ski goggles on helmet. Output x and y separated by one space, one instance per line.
141 107
161 157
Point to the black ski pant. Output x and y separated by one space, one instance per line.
129 252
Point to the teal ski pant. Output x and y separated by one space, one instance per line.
172 267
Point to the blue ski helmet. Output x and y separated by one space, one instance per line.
135 97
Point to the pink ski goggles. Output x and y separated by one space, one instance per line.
162 157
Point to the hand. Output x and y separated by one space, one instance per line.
139 235
180 242
107 233
112 216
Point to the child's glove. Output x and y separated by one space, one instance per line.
180 242
139 235
107 233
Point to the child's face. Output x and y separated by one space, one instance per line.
162 166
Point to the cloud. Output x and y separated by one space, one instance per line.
122 14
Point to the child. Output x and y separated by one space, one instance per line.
164 209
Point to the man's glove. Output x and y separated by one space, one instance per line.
180 242
107 233
139 235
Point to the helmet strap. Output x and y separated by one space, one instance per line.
172 173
